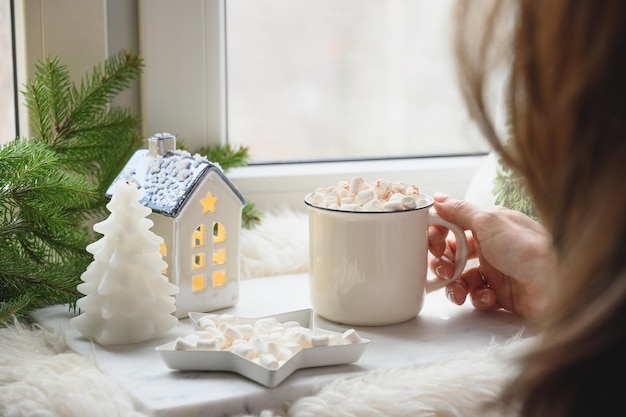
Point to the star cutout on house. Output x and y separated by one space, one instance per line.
208 203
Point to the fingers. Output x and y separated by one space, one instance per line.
471 283
441 263
457 292
443 266
484 299
456 211
437 240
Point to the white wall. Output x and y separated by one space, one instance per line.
81 34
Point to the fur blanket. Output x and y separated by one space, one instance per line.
284 230
40 376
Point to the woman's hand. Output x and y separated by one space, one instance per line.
516 258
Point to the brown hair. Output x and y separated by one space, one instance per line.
566 96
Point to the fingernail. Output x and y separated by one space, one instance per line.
450 296
441 272
485 298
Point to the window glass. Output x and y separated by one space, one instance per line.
341 80
7 84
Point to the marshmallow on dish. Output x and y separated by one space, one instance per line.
265 341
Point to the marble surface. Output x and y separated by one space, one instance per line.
440 330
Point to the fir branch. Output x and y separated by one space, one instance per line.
92 144
97 90
35 197
94 139
226 156
15 307
71 119
51 185
46 97
250 216
508 185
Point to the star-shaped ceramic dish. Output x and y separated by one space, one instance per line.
225 360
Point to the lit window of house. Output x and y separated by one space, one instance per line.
198 237
197 283
219 256
219 278
219 232
198 261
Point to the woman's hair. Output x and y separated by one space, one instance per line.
564 63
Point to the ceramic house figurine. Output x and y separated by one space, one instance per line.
197 212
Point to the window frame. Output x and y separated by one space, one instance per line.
193 107
203 110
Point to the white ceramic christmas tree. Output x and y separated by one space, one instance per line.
127 297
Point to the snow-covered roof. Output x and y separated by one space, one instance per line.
166 181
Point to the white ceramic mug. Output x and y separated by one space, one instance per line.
370 268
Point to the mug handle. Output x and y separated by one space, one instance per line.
460 257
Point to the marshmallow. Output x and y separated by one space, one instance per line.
284 354
358 195
343 186
184 344
245 350
398 187
408 203
320 340
272 347
351 336
381 187
344 192
365 196
330 199
357 184
374 205
412 190
350 207
269 361
393 205
228 318
246 330
210 344
347 200
266 341
231 333
317 198
208 321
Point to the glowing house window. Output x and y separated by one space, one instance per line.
219 256
163 251
219 278
197 239
198 283
197 261
219 232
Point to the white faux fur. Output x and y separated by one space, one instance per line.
40 377
277 246
459 386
